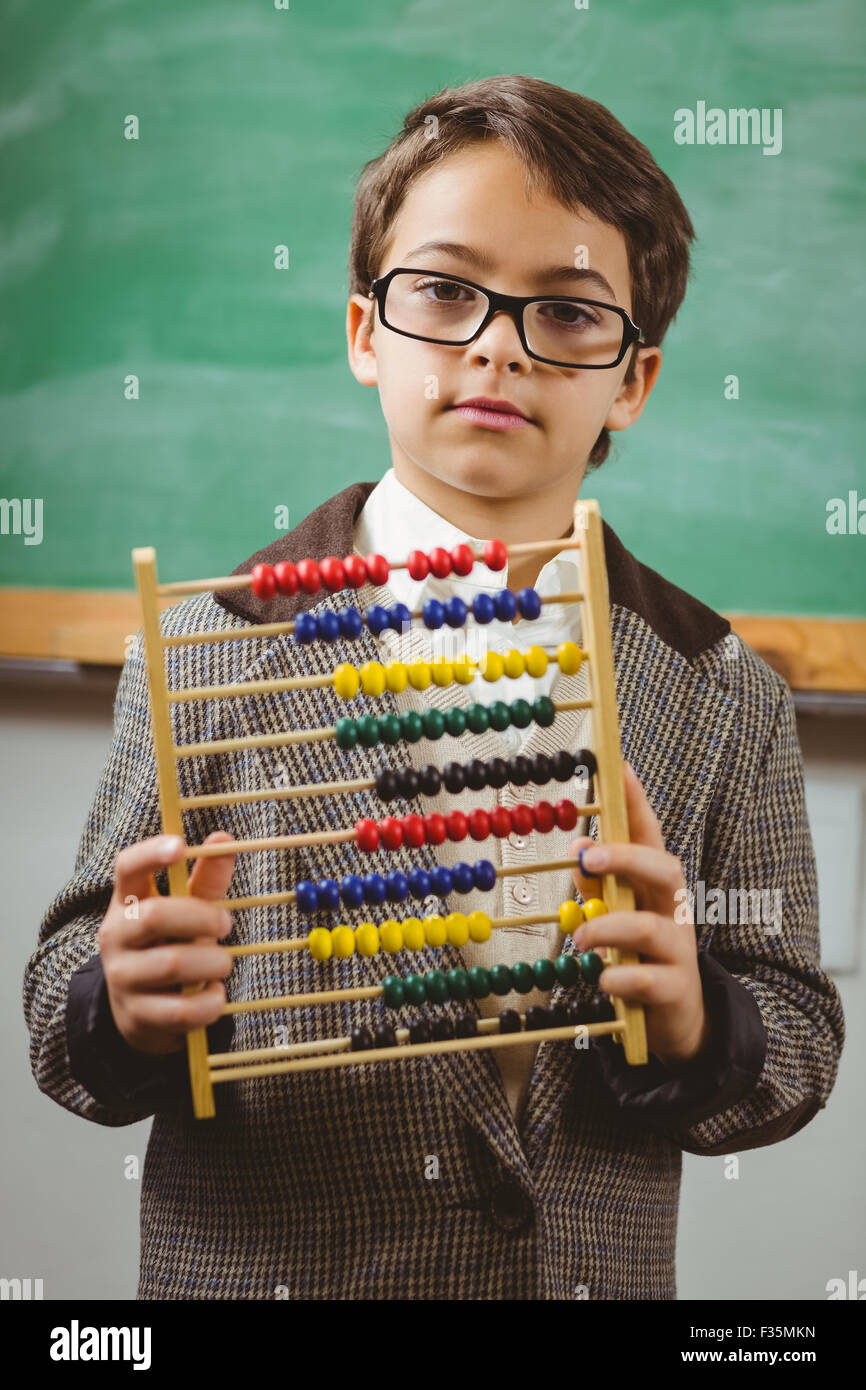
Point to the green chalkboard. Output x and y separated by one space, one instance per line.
155 257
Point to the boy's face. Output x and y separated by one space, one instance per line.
476 199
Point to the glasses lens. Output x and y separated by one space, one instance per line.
434 307
582 334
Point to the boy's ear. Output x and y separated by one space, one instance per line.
633 395
359 335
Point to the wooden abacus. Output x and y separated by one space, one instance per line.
206 1069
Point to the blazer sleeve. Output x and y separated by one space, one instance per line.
777 1026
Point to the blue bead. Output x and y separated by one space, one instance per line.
484 874
377 618
462 877
505 605
305 628
329 893
440 881
375 889
399 617
352 890
419 883
397 886
432 613
483 608
307 895
350 622
529 603
328 625
455 611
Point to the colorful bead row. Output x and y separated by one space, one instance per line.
437 987
329 626
435 829
409 782
394 887
354 571
410 725
374 679
566 1014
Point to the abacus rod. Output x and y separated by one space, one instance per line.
360 784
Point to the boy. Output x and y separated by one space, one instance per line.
546 1172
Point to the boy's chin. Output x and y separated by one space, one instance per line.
486 477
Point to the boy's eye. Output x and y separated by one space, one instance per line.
443 291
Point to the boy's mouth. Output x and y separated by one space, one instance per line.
495 414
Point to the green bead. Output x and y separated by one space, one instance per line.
346 731
389 728
523 978
543 711
455 721
458 983
437 987
434 723
499 715
393 993
478 719
415 989
479 982
500 979
368 731
412 725
592 965
545 974
567 970
521 714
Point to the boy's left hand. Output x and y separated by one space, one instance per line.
667 981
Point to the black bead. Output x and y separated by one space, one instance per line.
386 784
540 769
497 773
419 1030
519 770
476 775
453 777
409 782
559 1016
584 761
467 1026
362 1040
562 765
385 1035
443 1029
509 1021
429 780
536 1018
575 1009
600 1010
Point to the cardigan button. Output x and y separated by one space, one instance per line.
510 1207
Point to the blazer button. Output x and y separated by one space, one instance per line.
509 1206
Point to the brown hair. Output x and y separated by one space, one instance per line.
575 150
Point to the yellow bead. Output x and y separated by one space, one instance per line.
443 672
435 930
319 943
492 666
464 670
367 939
515 665
570 916
419 675
413 934
569 656
536 661
396 677
594 907
458 928
391 936
343 942
346 681
480 926
372 678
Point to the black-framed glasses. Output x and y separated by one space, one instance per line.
561 330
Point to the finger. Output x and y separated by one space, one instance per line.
135 865
177 1013
160 919
210 878
644 933
588 886
164 966
643 826
656 876
642 984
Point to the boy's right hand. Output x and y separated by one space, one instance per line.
167 942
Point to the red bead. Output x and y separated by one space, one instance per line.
440 562
457 825
495 555
287 577
264 581
308 573
414 833
332 572
377 568
435 828
462 559
417 564
544 817
479 824
521 819
367 835
500 822
355 570
391 832
566 815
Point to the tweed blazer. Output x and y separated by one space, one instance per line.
412 1179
